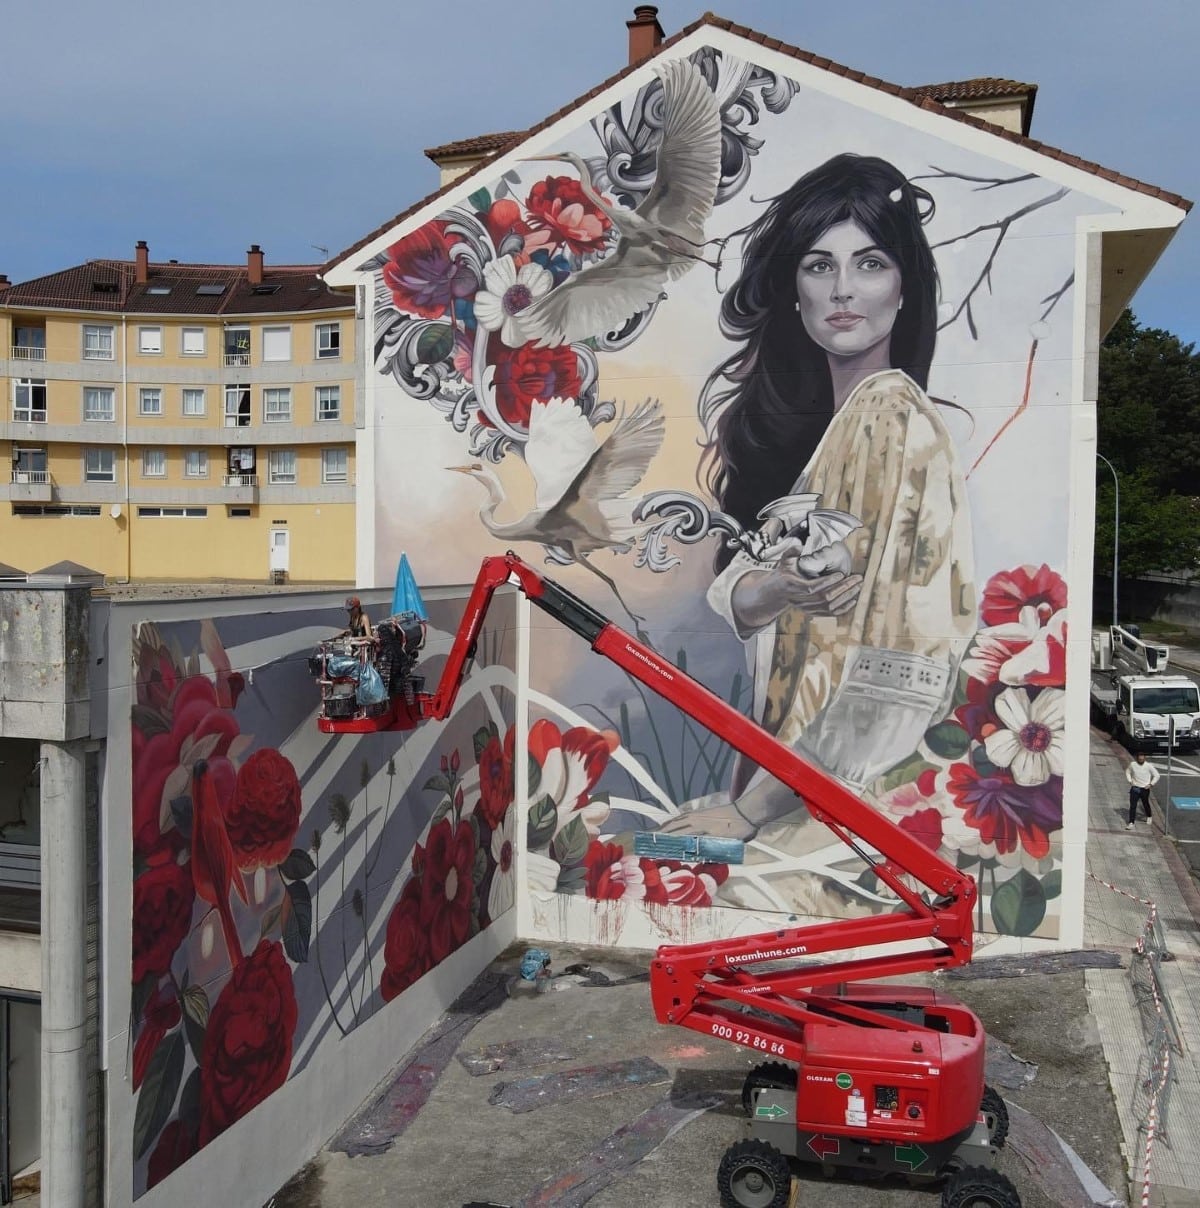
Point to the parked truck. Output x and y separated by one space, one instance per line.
1146 710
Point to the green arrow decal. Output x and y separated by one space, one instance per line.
913 1156
770 1113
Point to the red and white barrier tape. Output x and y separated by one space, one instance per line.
1163 1069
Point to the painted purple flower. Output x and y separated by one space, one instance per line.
1006 813
423 275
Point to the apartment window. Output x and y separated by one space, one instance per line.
99 465
277 405
29 465
154 463
329 341
193 402
29 344
277 343
237 346
150 400
281 466
192 342
29 400
240 513
195 463
97 342
150 340
237 406
55 509
335 465
98 403
329 402
153 513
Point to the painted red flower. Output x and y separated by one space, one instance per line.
248 1040
157 677
1006 813
1022 652
425 279
527 375
496 788
264 813
161 1015
406 948
447 886
511 234
558 205
176 1144
668 882
978 715
1008 592
610 873
162 915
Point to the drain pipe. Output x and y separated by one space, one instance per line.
64 963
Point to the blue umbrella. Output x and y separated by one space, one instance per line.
407 596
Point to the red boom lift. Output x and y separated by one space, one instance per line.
876 1078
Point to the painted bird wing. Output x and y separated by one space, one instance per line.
826 526
621 462
560 443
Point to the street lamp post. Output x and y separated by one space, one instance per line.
1116 530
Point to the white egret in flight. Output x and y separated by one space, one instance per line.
579 485
658 241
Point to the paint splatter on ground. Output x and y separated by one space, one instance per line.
515 1055
374 1130
586 1082
616 1154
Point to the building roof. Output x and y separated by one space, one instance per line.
983 88
920 96
10 572
481 144
110 286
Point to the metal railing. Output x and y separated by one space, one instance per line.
241 480
28 352
39 478
29 415
233 359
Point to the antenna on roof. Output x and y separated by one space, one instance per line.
321 249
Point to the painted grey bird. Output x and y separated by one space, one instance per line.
580 484
658 241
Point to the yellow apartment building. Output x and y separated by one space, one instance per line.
179 421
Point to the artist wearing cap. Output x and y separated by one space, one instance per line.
360 623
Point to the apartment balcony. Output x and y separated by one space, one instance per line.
239 488
24 352
237 360
31 486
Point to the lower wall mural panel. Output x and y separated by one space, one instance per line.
289 885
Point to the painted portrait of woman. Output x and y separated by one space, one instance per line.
854 642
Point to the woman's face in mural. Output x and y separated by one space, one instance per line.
849 291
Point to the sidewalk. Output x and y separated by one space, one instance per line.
1146 864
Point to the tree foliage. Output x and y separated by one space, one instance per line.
1149 429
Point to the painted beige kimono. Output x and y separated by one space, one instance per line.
858 691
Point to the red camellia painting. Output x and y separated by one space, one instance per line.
264 813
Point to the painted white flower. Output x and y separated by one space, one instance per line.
543 873
503 893
1031 743
508 291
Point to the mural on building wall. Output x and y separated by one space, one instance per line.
806 367
287 884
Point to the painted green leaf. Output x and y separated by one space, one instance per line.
195 1019
981 763
543 818
480 740
1052 884
141 995
442 810
535 776
572 880
270 920
298 866
904 773
479 871
480 201
156 1097
948 740
571 843
189 1103
437 784
181 813
435 343
1019 905
297 923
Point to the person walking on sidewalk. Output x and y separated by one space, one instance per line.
1141 775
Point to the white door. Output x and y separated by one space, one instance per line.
279 549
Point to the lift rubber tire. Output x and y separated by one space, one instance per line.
754 1174
994 1105
979 1187
771 1075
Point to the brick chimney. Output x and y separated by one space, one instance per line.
645 33
254 264
141 262
5 283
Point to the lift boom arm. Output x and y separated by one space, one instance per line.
707 986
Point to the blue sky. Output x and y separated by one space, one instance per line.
293 123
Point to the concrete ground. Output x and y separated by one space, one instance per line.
578 1097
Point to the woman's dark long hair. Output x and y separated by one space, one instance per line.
766 407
